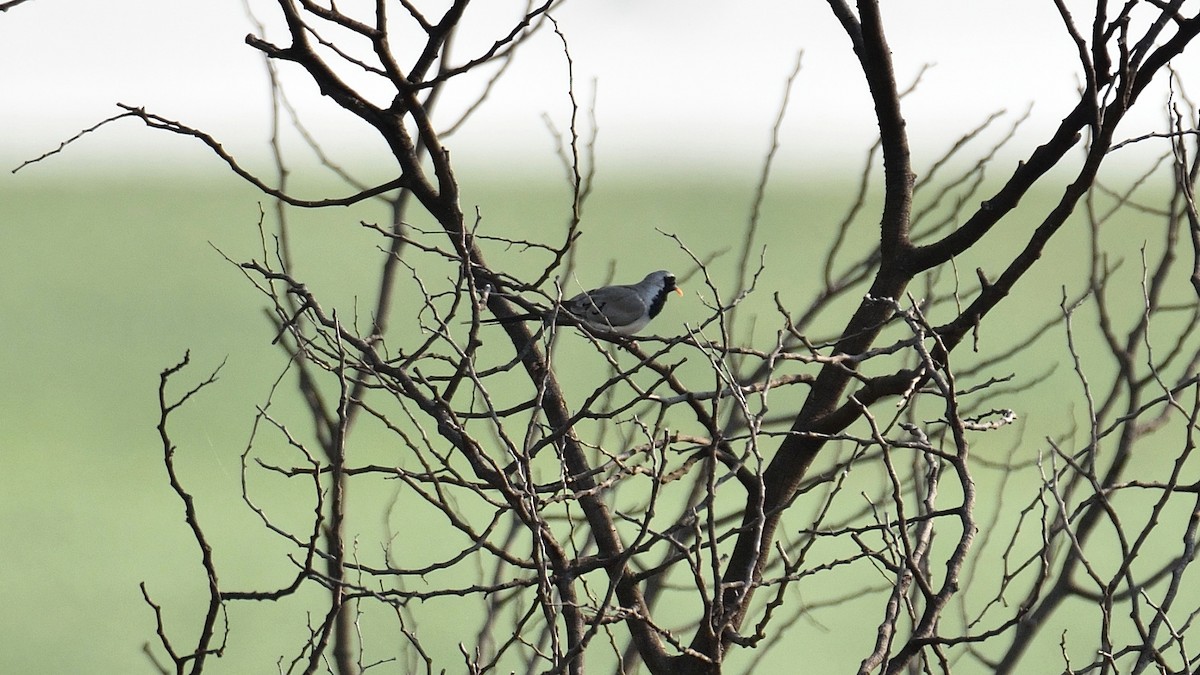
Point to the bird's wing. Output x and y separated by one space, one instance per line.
611 306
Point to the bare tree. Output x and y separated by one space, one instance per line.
688 499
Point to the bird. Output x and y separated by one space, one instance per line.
622 309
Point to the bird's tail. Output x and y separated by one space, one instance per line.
512 319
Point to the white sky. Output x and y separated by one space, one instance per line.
681 83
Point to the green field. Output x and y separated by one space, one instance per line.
108 279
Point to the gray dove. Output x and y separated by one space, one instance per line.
622 309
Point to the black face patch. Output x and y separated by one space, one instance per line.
660 298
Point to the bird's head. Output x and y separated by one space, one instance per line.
663 280
659 284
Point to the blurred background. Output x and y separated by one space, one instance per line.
676 85
112 252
